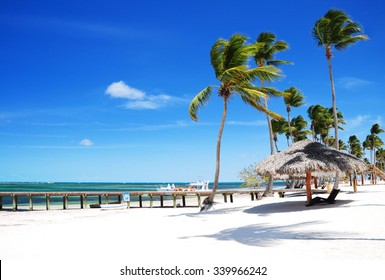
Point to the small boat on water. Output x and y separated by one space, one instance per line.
194 186
169 187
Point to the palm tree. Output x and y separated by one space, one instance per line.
380 155
374 131
298 132
293 98
278 127
267 48
229 60
336 30
354 146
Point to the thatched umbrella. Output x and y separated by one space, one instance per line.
305 157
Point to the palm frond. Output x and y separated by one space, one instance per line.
199 101
278 62
266 73
217 56
255 104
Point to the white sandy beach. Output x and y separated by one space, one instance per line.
291 240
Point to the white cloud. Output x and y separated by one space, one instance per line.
138 99
352 83
121 90
150 102
86 142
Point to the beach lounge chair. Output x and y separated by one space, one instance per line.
330 199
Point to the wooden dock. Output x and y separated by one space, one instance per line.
151 196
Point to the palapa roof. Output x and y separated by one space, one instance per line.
309 156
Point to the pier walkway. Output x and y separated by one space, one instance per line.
136 197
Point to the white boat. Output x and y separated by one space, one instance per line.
200 185
167 188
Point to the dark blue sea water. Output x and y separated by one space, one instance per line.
90 187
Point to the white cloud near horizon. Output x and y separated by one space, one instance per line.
139 100
86 142
352 83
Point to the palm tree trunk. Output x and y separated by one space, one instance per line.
218 157
288 123
334 104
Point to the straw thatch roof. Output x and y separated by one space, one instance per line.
308 156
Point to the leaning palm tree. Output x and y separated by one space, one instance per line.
229 60
267 48
293 98
336 30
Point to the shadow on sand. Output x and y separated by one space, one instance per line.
291 206
265 235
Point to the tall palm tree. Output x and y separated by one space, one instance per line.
267 48
293 98
336 30
229 59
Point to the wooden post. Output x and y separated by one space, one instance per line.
225 197
174 200
14 202
161 201
100 199
85 201
140 201
119 198
81 202
64 202
362 178
150 195
355 185
1 202
308 188
30 202
231 198
106 196
47 202
315 179
184 200
252 196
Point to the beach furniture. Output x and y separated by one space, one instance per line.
330 199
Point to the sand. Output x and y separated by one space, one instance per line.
346 239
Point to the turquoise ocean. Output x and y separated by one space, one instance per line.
92 187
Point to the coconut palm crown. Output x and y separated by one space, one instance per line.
229 59
336 30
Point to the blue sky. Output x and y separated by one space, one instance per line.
99 90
